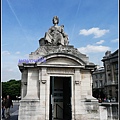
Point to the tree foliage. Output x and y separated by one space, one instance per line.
12 88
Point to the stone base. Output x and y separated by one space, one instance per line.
86 117
93 110
103 113
29 110
89 110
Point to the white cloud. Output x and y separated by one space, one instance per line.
93 49
26 55
10 70
95 31
100 42
12 73
17 52
5 53
10 66
115 40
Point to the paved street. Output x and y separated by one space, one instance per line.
14 112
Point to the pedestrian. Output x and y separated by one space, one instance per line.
3 108
105 100
99 99
8 104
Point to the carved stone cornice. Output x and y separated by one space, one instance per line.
60 70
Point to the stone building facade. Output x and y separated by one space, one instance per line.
105 79
110 61
98 82
57 84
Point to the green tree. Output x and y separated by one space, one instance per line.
12 88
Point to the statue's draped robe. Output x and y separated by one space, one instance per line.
55 35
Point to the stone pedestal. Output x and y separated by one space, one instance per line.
61 60
35 105
103 113
29 110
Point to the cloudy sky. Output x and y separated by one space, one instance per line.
92 27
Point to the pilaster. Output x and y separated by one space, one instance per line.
43 94
24 83
77 83
32 81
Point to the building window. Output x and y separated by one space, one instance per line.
96 76
110 93
100 75
108 67
96 84
116 77
100 83
115 66
109 76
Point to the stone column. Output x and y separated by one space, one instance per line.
106 75
103 113
47 97
43 94
73 97
32 81
24 84
91 81
77 82
112 71
29 105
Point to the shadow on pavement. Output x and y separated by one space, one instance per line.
14 117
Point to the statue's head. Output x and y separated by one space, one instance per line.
55 20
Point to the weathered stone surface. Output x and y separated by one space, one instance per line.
61 60
103 113
55 35
45 50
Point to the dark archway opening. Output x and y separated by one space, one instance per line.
60 98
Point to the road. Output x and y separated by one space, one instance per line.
14 112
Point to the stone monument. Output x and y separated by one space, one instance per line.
57 84
55 35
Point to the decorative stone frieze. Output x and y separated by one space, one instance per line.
60 70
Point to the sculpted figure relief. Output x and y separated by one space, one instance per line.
55 34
